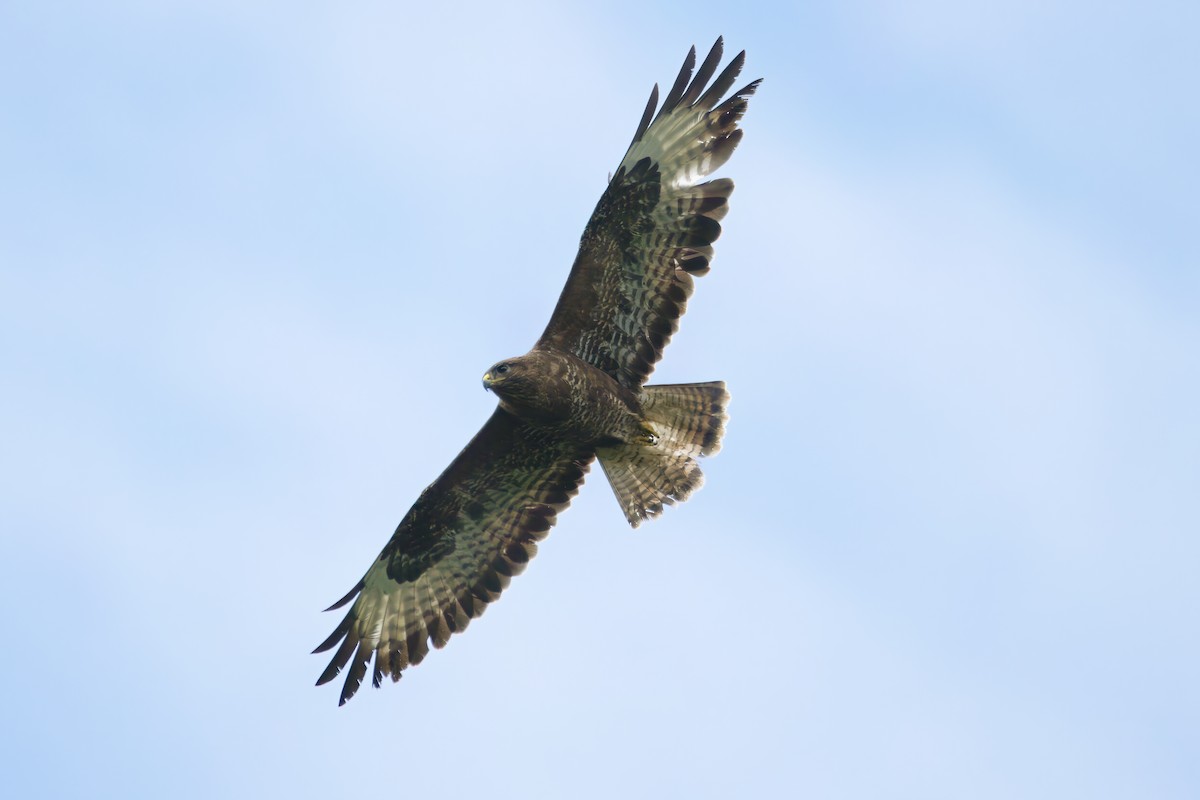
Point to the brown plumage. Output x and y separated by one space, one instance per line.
577 395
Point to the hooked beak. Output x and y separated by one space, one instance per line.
487 381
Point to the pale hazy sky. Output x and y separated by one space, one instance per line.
253 262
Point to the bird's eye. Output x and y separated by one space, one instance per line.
503 368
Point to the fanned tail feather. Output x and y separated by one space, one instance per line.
688 421
689 418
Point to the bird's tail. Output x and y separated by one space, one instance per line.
684 422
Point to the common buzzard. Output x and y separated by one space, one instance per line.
578 395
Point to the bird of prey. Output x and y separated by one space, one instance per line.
579 395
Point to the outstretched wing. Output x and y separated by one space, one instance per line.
654 226
474 528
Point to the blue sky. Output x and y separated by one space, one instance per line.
254 260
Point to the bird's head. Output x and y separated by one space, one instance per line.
526 386
505 376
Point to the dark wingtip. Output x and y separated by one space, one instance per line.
647 115
340 631
680 86
358 587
